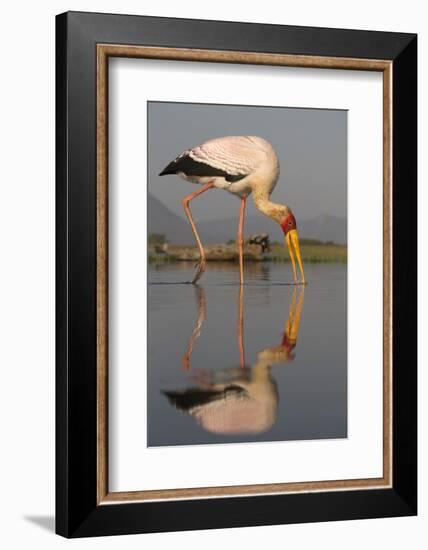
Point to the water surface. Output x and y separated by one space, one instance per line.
266 362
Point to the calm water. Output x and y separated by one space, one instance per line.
263 363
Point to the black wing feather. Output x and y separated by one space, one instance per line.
194 397
190 167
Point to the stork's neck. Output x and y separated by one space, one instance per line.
275 211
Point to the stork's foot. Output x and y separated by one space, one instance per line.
200 268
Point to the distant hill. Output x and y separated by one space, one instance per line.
325 228
162 220
178 231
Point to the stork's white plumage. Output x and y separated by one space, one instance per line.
240 165
235 155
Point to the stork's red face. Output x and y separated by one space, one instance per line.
288 223
289 227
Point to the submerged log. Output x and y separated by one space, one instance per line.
215 253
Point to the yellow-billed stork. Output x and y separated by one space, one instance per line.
240 165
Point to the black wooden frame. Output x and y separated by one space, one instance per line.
77 513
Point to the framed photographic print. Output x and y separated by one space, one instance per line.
236 274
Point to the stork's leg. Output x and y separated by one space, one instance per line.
200 293
185 203
240 240
240 326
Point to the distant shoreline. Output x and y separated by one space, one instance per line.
311 253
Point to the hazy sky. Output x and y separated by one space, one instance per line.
311 145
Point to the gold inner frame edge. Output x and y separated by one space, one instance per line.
104 51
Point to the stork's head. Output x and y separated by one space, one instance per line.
282 214
287 221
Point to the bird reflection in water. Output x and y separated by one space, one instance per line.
241 400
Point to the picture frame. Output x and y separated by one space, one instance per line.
84 44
